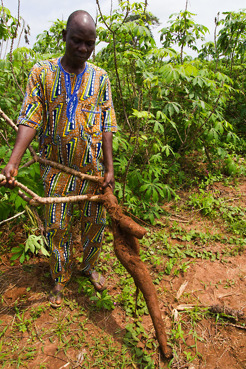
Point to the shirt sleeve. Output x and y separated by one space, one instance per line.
32 109
108 113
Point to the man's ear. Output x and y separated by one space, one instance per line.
64 34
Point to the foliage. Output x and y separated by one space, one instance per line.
11 28
8 23
228 56
211 205
133 332
170 108
10 202
50 41
34 245
183 31
103 300
231 41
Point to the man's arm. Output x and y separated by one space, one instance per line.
107 141
24 137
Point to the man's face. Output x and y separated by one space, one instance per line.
80 40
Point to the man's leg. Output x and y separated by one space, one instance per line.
59 237
93 220
58 218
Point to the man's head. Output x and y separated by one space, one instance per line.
80 38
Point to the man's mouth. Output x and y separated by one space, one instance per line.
81 56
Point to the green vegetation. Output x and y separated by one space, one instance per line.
181 128
181 119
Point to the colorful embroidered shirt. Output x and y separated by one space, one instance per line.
71 112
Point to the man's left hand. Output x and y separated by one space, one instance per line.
109 180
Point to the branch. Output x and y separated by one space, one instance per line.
115 58
58 200
15 216
119 84
131 159
35 199
108 199
8 120
69 170
5 139
198 133
14 126
232 325
11 50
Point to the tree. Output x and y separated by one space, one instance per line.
183 31
9 27
51 41
231 42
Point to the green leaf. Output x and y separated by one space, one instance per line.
22 258
143 187
16 256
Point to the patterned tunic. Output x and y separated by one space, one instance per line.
70 113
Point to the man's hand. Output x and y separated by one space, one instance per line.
23 139
109 180
10 171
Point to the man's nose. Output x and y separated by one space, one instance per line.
83 47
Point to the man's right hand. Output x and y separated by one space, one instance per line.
10 171
23 139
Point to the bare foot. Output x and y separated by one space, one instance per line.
97 279
56 296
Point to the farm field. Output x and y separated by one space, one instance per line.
198 265
180 172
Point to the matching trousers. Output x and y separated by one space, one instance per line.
59 221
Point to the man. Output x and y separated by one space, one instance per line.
68 100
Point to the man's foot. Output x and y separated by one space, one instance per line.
56 296
97 279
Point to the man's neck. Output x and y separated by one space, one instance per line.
70 67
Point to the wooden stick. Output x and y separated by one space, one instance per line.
108 199
14 126
69 170
8 120
36 200
15 216
58 200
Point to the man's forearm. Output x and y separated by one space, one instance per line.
107 143
24 137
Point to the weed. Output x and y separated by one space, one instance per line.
213 206
21 323
85 286
188 321
103 300
135 332
127 298
37 312
229 283
33 244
